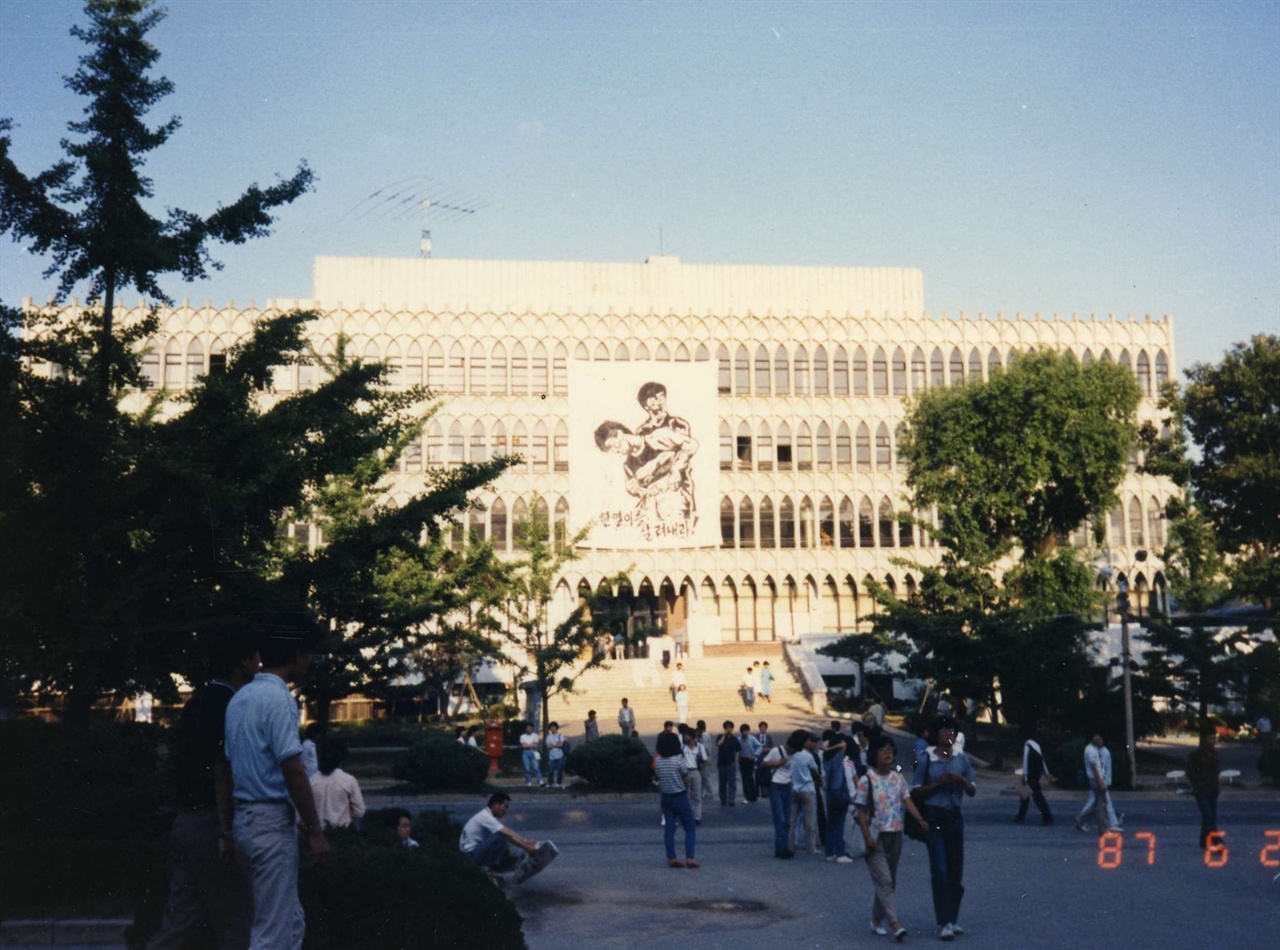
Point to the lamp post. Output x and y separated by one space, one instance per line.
1122 606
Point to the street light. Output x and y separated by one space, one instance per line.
1126 660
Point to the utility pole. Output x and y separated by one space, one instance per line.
1122 605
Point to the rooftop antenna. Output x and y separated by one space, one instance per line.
399 199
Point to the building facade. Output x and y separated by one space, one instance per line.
805 373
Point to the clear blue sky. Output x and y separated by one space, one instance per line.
1053 157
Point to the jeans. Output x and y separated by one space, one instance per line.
1208 805
555 770
1091 804
804 806
748 769
267 838
532 770
492 852
837 815
1038 797
204 890
946 862
676 805
728 773
780 808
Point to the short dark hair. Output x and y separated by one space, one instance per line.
668 744
649 390
797 739
878 743
229 647
941 722
745 727
330 751
729 724
283 635
499 798
701 724
606 429
550 725
392 816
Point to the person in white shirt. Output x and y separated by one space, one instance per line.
486 840
627 718
1097 770
529 743
554 742
748 690
677 680
337 793
695 756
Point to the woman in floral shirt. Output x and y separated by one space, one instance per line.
881 823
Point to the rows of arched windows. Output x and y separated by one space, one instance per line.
543 444
846 522
498 368
503 523
1132 524
804 447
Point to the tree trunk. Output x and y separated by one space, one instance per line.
79 706
321 706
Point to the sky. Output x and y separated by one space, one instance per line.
1029 157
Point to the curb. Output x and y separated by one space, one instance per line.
63 933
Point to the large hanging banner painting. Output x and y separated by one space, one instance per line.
642 454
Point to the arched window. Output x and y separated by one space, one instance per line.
560 447
662 354
906 534
642 351
411 375
1013 355
821 382
457 370
727 527
540 449
866 524
435 368
560 529
560 370
860 378
1124 360
840 373
498 524
880 373
975 364
804 448
957 366
395 367
862 448
1155 523
918 378
1144 372
786 523
540 513
601 354
726 447
767 532
884 453
781 373
784 450
519 371
742 372
538 371
886 523
1116 527
899 442
762 371
173 365
993 363
764 449
480 381
937 376
742 447
519 525
150 366
479 443
1106 356
826 523
1162 369
435 444
477 528
846 522
195 363
1086 357
457 445
823 447
724 378
411 459
802 371
746 524
520 446
806 523
621 354
1136 534
899 372
844 448
499 444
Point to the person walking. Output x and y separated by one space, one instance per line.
883 801
748 756
1034 768
695 756
270 786
943 777
838 797
748 691
682 704
672 768
206 886
627 719
529 757
1097 771
590 727
777 762
337 793
1202 773
727 749
766 683
805 783
554 742
678 679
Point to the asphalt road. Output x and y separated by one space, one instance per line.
1027 886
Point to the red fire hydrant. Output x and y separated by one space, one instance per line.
493 745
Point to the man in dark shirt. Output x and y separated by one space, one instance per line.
727 749
1202 773
206 887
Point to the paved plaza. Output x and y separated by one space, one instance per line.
1027 886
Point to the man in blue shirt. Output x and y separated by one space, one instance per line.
805 782
270 785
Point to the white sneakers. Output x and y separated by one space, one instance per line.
947 932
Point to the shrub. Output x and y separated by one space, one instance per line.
613 762
441 764
390 898
377 732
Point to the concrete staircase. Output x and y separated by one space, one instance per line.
713 683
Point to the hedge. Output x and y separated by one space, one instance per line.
439 763
614 762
